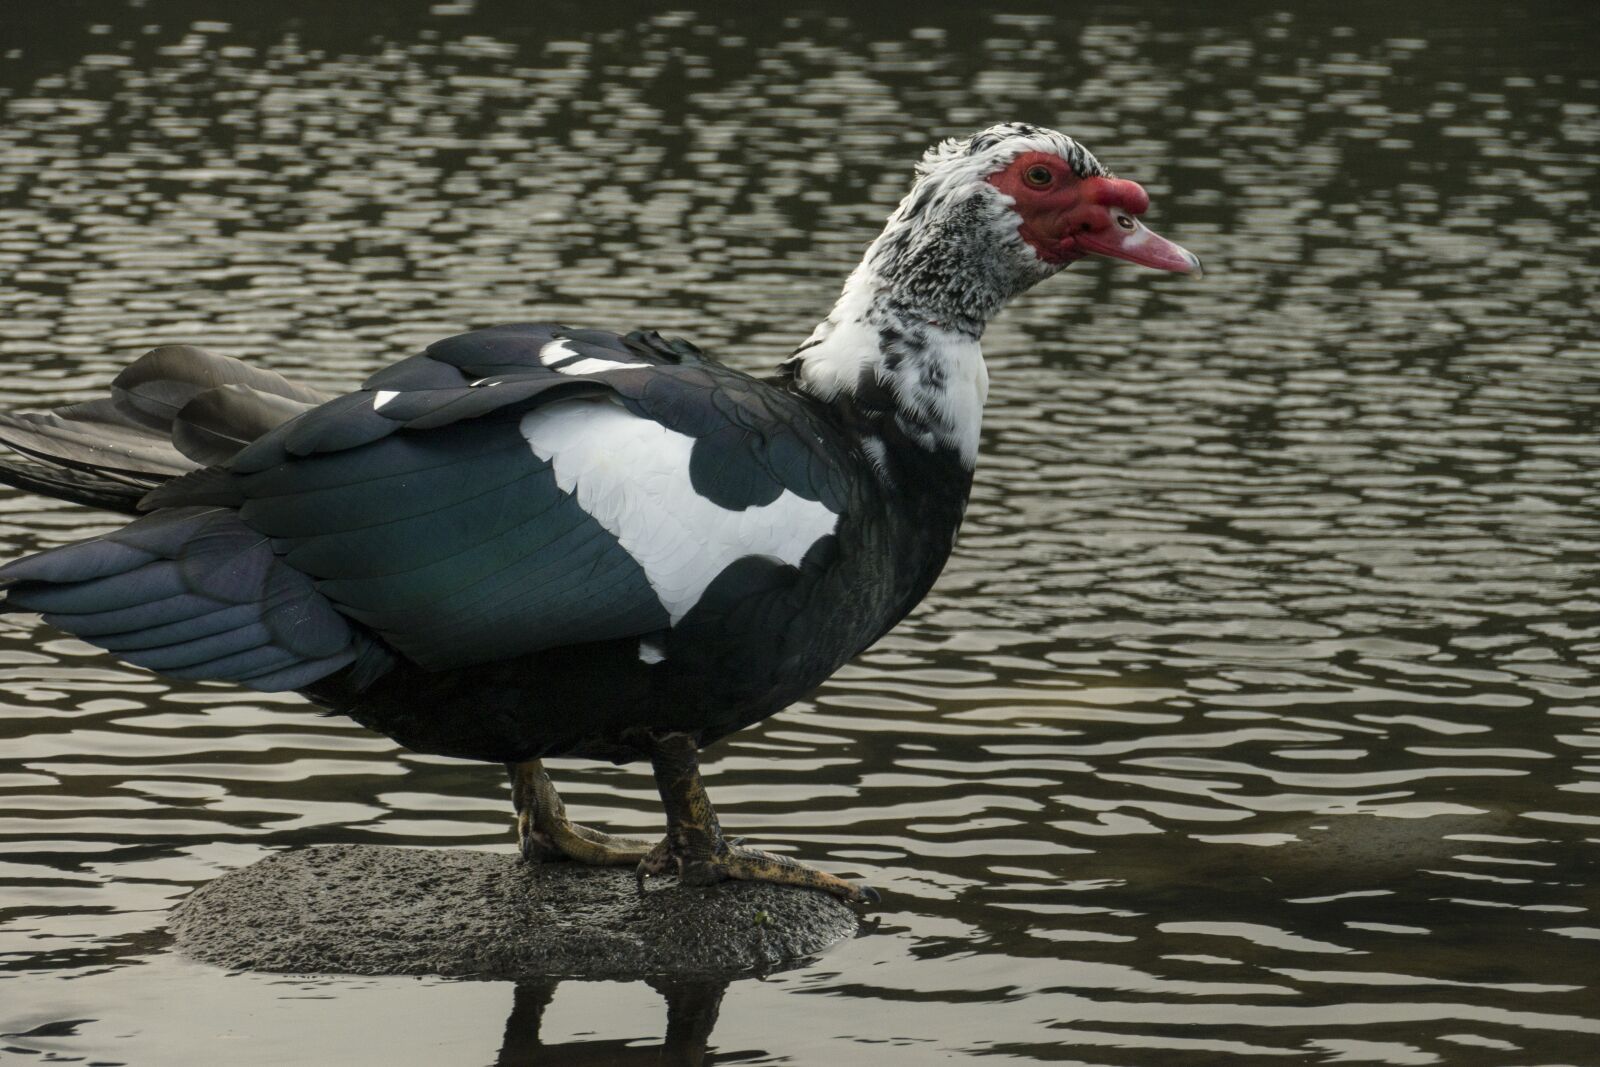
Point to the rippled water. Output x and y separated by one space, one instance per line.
1255 719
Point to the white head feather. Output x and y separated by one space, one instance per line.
948 259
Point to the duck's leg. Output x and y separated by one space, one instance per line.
544 833
694 848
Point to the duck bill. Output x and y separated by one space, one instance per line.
1140 245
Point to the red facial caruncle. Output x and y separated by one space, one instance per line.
1065 218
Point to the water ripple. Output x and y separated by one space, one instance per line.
1253 715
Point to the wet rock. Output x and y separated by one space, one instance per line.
368 909
1307 854
1379 849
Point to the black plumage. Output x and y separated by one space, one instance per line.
532 540
428 547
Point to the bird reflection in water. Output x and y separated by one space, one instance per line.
691 1013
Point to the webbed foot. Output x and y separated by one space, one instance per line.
544 833
707 867
694 848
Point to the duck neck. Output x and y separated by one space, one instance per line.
904 334
893 354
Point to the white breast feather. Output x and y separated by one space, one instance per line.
632 476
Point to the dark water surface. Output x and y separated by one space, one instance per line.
1256 718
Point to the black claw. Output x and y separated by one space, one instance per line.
639 875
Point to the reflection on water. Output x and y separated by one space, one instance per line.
691 1014
1256 713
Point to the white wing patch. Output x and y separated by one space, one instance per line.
556 351
632 476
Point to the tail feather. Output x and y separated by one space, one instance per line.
96 436
65 483
218 423
160 383
171 412
190 591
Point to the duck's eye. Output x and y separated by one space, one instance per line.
1125 221
1038 176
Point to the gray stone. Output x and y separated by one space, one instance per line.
369 909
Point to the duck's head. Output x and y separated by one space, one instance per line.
1067 204
993 214
988 217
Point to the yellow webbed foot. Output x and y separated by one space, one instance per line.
694 848
544 833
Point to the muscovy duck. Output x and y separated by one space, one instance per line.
533 541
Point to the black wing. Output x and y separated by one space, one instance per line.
422 509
